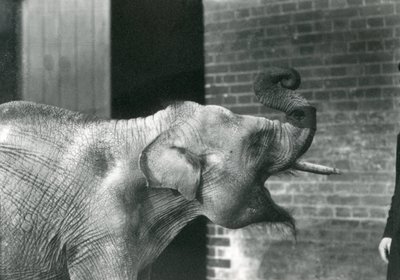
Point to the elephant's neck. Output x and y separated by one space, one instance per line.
156 216
164 214
136 133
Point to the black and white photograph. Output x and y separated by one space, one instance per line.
199 139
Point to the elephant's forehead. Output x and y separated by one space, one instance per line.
221 116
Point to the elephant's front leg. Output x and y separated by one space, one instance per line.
106 262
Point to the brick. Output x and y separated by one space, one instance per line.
239 45
309 211
342 13
309 39
218 241
372 69
342 212
357 47
305 28
322 4
392 20
375 33
391 44
224 263
272 20
243 56
323 26
306 50
273 9
312 84
229 78
341 59
360 212
242 67
309 199
337 95
305 5
322 95
341 24
218 89
375 46
370 2
343 200
241 78
375 22
338 4
306 61
372 93
289 7
377 213
375 80
229 100
388 68
340 82
243 24
308 16
325 212
376 200
338 71
358 23
241 88
375 57
354 2
381 9
216 69
245 99
243 13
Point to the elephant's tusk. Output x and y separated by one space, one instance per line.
315 168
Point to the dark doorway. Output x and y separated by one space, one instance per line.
157 58
8 50
157 54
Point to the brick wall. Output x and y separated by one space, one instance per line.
347 53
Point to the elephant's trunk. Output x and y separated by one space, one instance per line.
275 89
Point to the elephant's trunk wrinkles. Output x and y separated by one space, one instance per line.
275 89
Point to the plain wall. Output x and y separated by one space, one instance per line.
65 54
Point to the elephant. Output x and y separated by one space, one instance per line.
89 198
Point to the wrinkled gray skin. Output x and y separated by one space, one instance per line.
82 198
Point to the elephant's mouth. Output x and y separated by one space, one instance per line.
273 213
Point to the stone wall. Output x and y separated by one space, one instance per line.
347 53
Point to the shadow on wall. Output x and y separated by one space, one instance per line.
323 251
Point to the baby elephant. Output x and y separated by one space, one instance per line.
84 198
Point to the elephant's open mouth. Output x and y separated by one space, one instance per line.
273 213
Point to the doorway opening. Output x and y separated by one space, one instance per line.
9 34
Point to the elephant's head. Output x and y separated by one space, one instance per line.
220 160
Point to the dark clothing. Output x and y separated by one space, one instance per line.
393 224
393 271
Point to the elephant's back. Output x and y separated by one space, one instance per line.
29 112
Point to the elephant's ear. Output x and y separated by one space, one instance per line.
168 166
